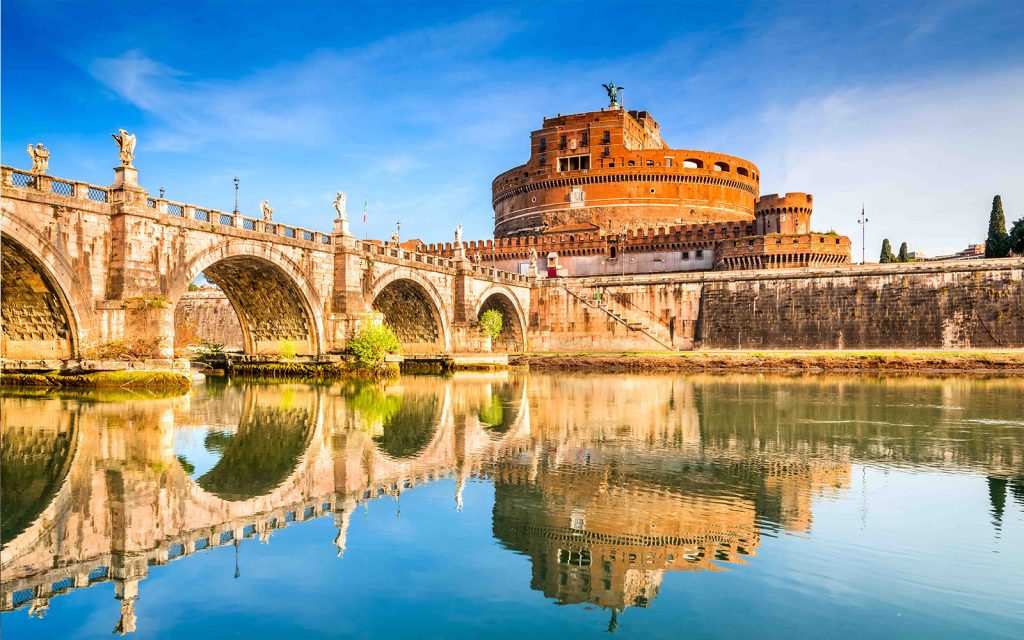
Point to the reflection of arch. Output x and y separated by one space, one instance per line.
262 454
272 297
34 467
24 244
413 308
408 430
501 411
513 333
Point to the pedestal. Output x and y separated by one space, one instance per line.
125 176
341 226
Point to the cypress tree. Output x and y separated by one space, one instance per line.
904 253
996 244
886 255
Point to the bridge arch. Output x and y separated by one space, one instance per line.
413 307
46 309
272 297
513 331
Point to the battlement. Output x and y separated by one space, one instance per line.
791 201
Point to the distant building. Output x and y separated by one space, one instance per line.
972 252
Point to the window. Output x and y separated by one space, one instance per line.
631 163
543 158
574 163
612 252
721 166
543 144
561 142
585 139
668 162
686 255
693 163
700 253
607 139
742 171
607 152
650 163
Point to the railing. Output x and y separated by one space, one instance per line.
62 188
59 186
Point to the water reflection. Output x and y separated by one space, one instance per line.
606 484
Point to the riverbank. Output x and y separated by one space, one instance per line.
979 361
151 380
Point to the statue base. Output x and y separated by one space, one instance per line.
125 176
341 226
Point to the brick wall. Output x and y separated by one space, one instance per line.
206 315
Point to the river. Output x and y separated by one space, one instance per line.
511 505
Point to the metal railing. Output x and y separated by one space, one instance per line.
62 188
98 195
23 180
227 219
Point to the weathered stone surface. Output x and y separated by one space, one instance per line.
207 315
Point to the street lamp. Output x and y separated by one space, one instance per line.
863 222
236 195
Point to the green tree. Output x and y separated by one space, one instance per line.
886 255
491 322
372 343
1015 242
904 253
997 242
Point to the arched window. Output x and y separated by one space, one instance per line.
721 166
742 171
693 163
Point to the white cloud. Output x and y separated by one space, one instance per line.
925 158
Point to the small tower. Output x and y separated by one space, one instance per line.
789 213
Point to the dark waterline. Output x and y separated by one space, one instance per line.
650 506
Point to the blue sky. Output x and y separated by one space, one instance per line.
915 109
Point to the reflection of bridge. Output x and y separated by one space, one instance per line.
606 489
140 494
86 265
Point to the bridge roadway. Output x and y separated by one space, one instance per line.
85 266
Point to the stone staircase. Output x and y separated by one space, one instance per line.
633 319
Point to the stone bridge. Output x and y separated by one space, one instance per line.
85 265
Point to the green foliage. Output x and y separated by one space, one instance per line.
491 323
211 347
887 254
492 414
372 343
374 405
193 286
904 253
997 244
1015 242
286 348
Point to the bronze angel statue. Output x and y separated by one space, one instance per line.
613 93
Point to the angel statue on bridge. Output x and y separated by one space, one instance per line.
339 205
458 236
613 93
126 143
268 213
40 158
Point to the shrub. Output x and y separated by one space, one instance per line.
286 348
491 322
372 343
124 350
212 347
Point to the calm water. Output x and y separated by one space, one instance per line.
512 506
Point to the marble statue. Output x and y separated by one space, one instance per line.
458 235
613 93
40 158
126 143
395 238
339 205
533 256
268 213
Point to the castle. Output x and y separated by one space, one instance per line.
603 194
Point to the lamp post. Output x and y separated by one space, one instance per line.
863 222
236 195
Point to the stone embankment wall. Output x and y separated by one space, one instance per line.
951 305
206 315
946 305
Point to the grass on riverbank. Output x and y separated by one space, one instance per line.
980 361
98 380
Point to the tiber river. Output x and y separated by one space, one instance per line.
506 505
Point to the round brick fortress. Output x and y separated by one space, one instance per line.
610 169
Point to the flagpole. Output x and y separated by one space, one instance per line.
366 233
